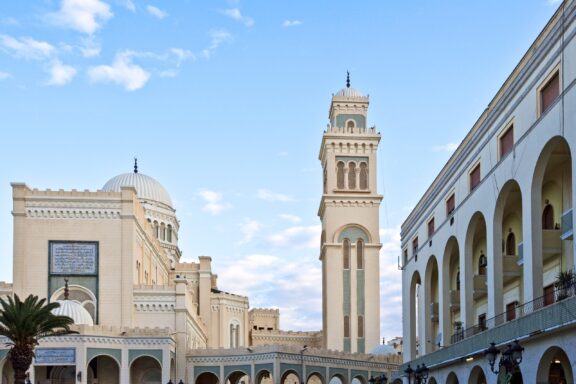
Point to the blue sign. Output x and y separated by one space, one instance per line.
55 356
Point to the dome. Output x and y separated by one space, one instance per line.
384 349
147 188
348 92
74 310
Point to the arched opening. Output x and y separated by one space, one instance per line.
360 254
414 319
552 217
452 378
340 175
264 377
431 299
350 125
476 264
477 376
169 233
238 377
452 326
235 334
145 370
554 367
315 378
432 380
162 231
352 175
81 294
156 229
346 254
358 380
363 176
337 379
207 378
104 369
290 377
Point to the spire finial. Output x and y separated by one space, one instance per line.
347 79
66 290
135 165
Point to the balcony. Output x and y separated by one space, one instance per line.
566 226
551 243
434 312
454 300
511 268
480 288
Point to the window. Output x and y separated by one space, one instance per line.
352 175
360 254
162 231
346 253
350 125
549 295
363 176
431 228
450 204
405 256
548 216
156 229
482 321
511 311
360 326
511 244
458 280
475 177
169 233
506 141
346 326
482 263
325 181
549 92
340 175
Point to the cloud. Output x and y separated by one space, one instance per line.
181 55
266 195
90 47
217 38
156 12
291 23
61 74
9 21
129 5
297 237
26 47
213 200
4 75
235 14
249 228
449 147
122 72
390 283
86 16
290 217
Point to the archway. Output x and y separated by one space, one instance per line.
432 381
515 377
238 377
315 378
337 379
145 370
358 380
477 376
431 299
264 377
207 378
476 260
452 323
290 377
414 319
452 378
554 367
105 369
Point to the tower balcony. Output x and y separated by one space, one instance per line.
351 130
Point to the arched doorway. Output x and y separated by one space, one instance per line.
477 376
290 377
104 369
238 377
452 378
555 367
264 377
315 378
476 260
207 378
145 370
358 380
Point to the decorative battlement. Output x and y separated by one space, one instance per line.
102 330
351 131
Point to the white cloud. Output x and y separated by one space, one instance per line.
449 147
249 228
291 23
61 74
129 5
235 14
266 195
86 16
182 55
26 47
213 200
156 12
217 38
290 217
4 75
90 47
297 237
122 72
390 283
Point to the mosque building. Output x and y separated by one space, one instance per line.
112 260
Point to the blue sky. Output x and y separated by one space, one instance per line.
224 103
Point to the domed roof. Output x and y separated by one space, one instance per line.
383 349
74 310
147 187
348 92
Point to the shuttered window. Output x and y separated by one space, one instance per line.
450 204
475 177
506 141
549 92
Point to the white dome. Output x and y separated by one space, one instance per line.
383 349
74 310
147 188
348 92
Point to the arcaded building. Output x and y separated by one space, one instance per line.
488 251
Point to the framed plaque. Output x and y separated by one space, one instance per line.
69 258
55 356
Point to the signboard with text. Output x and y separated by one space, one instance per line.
55 356
73 258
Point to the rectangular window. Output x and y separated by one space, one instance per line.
549 295
431 228
475 177
405 256
450 204
511 311
549 92
415 246
507 141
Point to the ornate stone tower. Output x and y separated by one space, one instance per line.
350 241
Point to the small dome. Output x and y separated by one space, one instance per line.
348 92
383 350
74 310
147 187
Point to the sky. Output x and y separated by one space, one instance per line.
224 103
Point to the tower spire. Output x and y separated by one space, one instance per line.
135 165
347 79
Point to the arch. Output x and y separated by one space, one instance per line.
363 176
337 379
340 175
162 231
554 366
238 377
207 378
452 378
548 216
105 368
414 319
358 379
477 376
346 247
264 376
81 294
353 232
475 265
451 326
431 302
351 175
432 380
290 377
360 254
315 378
350 124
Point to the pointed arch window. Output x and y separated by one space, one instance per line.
340 175
346 253
548 216
352 175
346 326
482 263
360 254
363 176
350 125
162 231
511 244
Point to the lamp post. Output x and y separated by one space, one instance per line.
511 357
382 379
420 374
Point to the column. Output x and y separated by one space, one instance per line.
165 364
81 365
532 244
125 366
466 285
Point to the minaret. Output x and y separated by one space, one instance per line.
350 241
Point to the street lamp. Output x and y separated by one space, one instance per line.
382 379
420 374
511 357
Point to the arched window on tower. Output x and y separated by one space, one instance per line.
360 254
350 125
162 231
325 181
169 233
346 326
352 175
548 216
511 244
363 176
156 229
482 263
340 175
360 326
346 253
